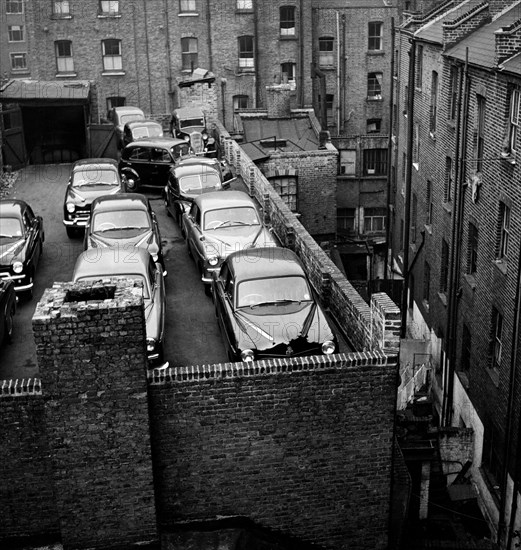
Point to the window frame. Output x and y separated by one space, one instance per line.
426 282
187 6
448 181
342 156
374 86
11 34
497 325
374 216
326 49
189 55
239 98
444 266
293 80
433 108
108 12
57 9
283 186
453 92
63 58
514 120
11 3
375 39
472 249
418 80
18 55
244 5
290 13
346 214
504 231
246 55
481 108
377 122
374 162
429 204
113 57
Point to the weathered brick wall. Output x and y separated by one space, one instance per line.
456 447
302 446
27 505
90 343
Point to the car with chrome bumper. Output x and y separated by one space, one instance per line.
189 123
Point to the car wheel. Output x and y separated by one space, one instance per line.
71 232
208 290
8 323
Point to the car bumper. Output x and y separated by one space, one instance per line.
75 223
20 281
208 272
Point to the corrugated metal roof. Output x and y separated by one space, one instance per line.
481 43
433 30
25 90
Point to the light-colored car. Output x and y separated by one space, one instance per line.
220 223
99 264
119 116
138 129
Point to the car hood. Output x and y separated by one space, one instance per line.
235 239
126 238
265 327
10 248
85 195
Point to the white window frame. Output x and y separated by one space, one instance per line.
187 6
11 3
14 30
109 7
348 162
190 53
64 63
244 4
374 92
375 39
116 61
18 55
61 8
246 61
287 31
326 57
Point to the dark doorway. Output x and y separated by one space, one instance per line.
54 134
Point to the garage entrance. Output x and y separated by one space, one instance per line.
50 125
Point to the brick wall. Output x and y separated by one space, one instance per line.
91 354
300 446
456 447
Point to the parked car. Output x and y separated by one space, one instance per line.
131 263
219 164
124 220
220 223
138 129
21 244
7 310
119 116
265 307
188 180
146 162
189 123
89 179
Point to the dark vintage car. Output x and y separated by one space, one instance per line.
220 223
188 180
98 264
124 220
90 178
146 162
189 123
21 244
138 129
7 310
266 308
119 116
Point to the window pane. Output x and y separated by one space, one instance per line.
61 8
374 85
109 6
287 20
325 50
16 33
187 5
244 4
18 61
375 36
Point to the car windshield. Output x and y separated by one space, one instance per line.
10 227
94 176
147 131
120 220
191 122
120 276
195 183
123 119
181 150
230 217
273 291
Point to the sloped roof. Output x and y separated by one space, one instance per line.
481 43
50 91
512 65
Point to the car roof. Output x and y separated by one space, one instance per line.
191 169
140 123
105 262
264 262
223 199
197 159
97 161
11 206
156 142
128 109
121 201
189 112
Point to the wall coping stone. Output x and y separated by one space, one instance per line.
20 387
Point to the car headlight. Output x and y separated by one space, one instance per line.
71 207
151 344
186 138
155 257
328 347
213 260
247 355
18 267
204 135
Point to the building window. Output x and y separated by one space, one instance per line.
496 339
325 51
416 145
491 457
515 101
111 50
61 8
414 214
345 220
374 125
246 60
187 6
287 21
472 253
240 102
114 101
504 231
244 4
348 162
109 7
189 54
375 162
406 101
434 103
287 71
374 86
466 346
374 220
330 101
18 61
411 290
375 36
444 273
447 190
480 133
428 199
402 237
64 60
426 282
14 6
287 188
15 33
419 67
453 92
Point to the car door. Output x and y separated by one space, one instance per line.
32 244
225 287
160 165
193 231
172 192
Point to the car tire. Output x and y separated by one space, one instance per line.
8 324
71 232
207 289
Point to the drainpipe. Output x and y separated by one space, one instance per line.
145 26
301 61
338 74
169 106
454 264
389 155
256 52
209 29
408 185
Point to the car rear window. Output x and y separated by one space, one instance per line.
253 292
121 276
94 176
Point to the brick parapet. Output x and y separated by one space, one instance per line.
462 26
